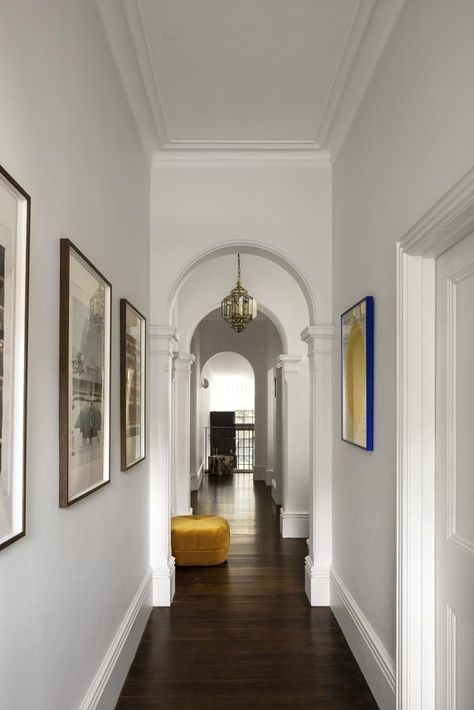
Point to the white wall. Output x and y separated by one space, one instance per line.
412 139
195 207
68 137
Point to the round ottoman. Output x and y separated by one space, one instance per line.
199 540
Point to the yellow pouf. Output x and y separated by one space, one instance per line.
199 540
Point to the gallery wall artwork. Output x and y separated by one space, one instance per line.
84 379
357 374
14 270
132 384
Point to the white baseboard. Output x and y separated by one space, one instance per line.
268 476
186 511
196 478
316 583
276 492
371 655
259 473
294 523
163 584
105 689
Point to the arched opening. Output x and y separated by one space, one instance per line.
285 455
226 405
269 343
259 347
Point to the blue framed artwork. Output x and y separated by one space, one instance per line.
357 374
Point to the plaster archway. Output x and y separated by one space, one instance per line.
231 388
261 345
266 251
306 389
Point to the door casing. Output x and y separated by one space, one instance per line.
445 224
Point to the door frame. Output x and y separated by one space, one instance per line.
448 221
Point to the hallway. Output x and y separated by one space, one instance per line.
242 635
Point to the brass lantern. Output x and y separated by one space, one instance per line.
239 308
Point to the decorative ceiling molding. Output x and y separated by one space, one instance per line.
382 21
127 37
236 159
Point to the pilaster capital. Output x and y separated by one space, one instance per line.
289 364
166 332
319 338
163 338
183 362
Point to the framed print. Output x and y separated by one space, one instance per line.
357 376
14 276
84 377
132 384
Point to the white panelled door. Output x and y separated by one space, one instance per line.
455 478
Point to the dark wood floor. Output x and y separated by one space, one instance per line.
242 635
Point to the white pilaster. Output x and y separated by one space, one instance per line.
162 339
318 562
182 363
291 473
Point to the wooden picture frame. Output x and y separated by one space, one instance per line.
132 385
85 348
15 214
357 374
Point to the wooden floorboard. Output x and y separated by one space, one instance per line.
242 635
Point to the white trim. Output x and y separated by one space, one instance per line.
196 478
294 523
212 159
164 584
263 249
446 223
342 79
118 35
259 473
378 29
268 476
276 493
316 583
372 656
124 28
105 689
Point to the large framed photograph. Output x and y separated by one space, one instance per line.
84 377
14 274
357 376
132 384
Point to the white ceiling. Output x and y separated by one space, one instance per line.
246 74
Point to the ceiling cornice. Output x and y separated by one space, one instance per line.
236 159
379 28
126 35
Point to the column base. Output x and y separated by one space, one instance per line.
163 579
259 473
196 478
187 511
268 476
294 524
316 583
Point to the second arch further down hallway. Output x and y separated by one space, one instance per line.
242 635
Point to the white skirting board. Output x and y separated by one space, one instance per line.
316 583
373 658
196 478
164 583
294 523
276 492
107 684
259 473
